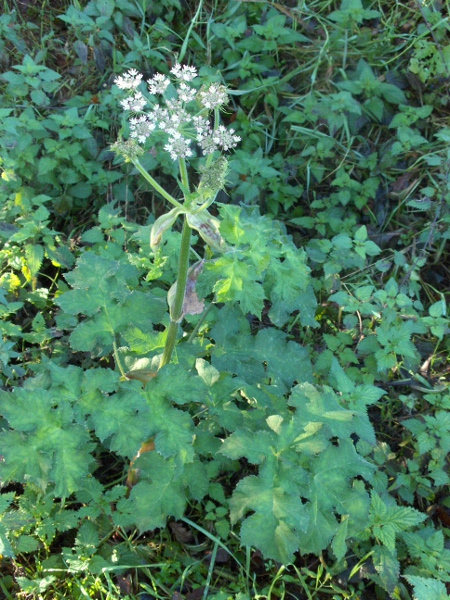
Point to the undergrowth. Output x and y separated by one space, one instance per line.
254 404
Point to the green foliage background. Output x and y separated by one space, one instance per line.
307 415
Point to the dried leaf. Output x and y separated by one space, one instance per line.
191 303
181 533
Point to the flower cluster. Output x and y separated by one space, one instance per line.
175 116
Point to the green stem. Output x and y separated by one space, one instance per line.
117 359
176 312
155 184
183 173
200 322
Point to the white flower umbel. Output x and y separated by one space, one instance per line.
213 96
178 146
184 73
218 139
186 93
202 127
129 81
183 116
225 139
141 128
134 103
158 84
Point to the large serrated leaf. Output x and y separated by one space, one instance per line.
157 497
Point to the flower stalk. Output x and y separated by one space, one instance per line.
155 184
183 118
176 312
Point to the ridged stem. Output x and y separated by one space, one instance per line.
176 311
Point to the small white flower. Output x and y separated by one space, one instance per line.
185 72
134 103
178 114
224 138
202 127
218 139
213 96
141 128
186 93
128 81
178 146
158 84
160 116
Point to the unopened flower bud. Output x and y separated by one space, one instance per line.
213 178
129 149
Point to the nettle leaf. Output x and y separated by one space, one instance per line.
386 520
387 566
426 588
34 255
397 338
426 544
286 281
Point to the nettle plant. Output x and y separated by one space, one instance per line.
190 399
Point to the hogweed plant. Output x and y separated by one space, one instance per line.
234 398
184 117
